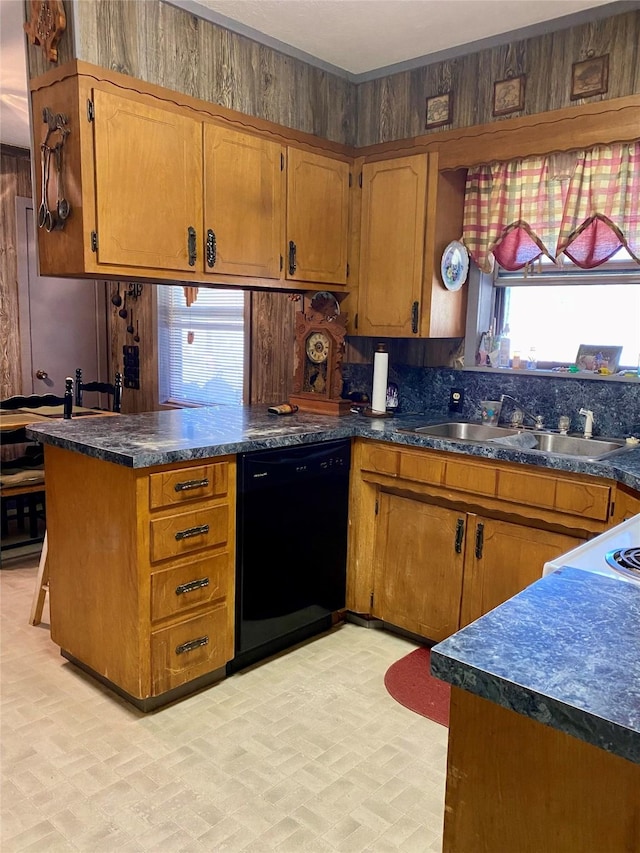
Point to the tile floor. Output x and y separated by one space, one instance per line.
307 752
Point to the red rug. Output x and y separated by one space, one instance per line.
410 682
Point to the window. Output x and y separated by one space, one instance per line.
557 310
201 348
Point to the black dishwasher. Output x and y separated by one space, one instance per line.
291 545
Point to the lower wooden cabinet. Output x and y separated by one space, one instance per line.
438 539
419 562
142 570
501 559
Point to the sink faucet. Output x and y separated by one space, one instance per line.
538 420
588 422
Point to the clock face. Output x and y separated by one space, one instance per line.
317 347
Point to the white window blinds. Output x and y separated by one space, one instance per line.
201 347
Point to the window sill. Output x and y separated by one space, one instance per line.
554 374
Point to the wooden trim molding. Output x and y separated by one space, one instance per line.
613 120
580 126
206 109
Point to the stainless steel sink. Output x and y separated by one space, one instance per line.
463 431
590 449
577 447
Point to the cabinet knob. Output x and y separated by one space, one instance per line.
42 374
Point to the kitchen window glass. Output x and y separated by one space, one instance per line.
557 309
201 348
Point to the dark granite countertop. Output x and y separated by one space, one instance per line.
157 438
564 652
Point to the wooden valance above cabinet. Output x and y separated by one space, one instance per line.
161 186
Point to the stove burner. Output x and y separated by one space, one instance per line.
626 560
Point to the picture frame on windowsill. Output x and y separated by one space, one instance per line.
593 358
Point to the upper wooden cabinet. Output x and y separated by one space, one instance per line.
410 212
317 217
148 183
243 203
161 187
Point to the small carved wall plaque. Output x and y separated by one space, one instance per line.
45 26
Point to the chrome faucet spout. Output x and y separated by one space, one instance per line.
538 420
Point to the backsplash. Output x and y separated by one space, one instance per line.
615 404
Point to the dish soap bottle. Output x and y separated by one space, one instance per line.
532 361
505 348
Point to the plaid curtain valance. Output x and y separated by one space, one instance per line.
585 204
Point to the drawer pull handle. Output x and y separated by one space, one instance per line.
192 531
189 587
191 484
414 317
191 645
459 535
479 541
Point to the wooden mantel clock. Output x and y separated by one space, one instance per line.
319 350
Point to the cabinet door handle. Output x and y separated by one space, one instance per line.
212 248
459 535
192 585
191 484
191 645
414 317
479 540
192 531
191 245
292 257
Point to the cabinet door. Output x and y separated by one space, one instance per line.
317 218
243 203
148 181
392 246
502 559
418 566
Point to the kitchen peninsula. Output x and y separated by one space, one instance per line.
129 498
544 736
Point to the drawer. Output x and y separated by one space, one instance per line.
422 467
527 489
171 488
177 590
585 499
467 477
190 649
382 460
182 533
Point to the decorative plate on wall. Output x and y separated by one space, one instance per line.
454 267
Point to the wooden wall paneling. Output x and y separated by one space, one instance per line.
170 47
117 30
144 399
393 107
176 37
272 340
15 180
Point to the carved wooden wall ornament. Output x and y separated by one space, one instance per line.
45 26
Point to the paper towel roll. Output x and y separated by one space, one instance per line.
380 374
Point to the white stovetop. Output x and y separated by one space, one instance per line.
590 556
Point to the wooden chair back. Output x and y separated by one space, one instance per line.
113 389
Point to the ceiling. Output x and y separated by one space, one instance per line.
358 39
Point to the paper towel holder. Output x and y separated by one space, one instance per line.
379 413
